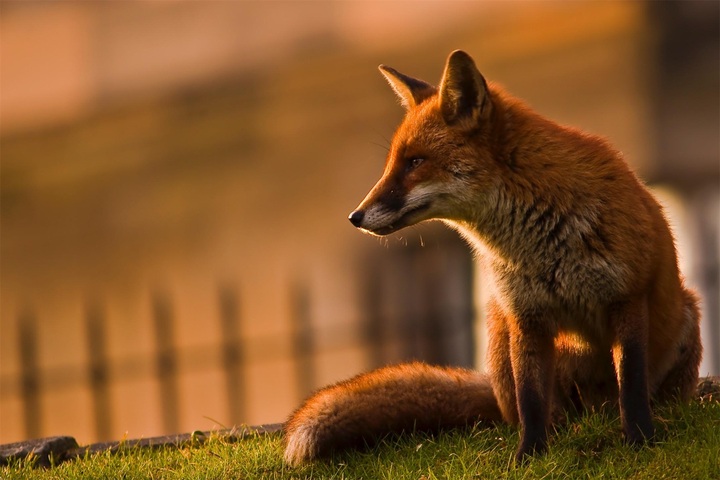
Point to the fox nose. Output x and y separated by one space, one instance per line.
356 217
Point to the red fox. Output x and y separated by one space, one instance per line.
588 305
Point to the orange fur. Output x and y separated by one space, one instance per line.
588 305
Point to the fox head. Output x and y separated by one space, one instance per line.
440 158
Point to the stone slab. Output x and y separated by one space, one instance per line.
46 451
52 451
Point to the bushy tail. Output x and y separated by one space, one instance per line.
406 397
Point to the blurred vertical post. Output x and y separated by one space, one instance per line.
303 342
166 361
232 354
98 371
372 315
30 375
436 319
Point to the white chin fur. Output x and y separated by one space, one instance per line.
378 218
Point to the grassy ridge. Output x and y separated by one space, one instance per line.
591 447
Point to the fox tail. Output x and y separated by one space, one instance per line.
406 397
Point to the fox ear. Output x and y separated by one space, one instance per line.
411 91
463 91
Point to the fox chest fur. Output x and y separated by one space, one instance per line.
552 241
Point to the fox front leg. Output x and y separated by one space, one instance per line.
499 362
532 354
630 326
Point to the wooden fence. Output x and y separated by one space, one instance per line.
411 310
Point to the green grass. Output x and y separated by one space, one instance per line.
591 447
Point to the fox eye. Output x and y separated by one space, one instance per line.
414 162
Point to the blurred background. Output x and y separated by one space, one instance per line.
176 177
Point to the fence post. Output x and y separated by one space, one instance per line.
98 371
232 354
30 375
372 316
166 361
303 342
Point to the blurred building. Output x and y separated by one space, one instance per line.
176 178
